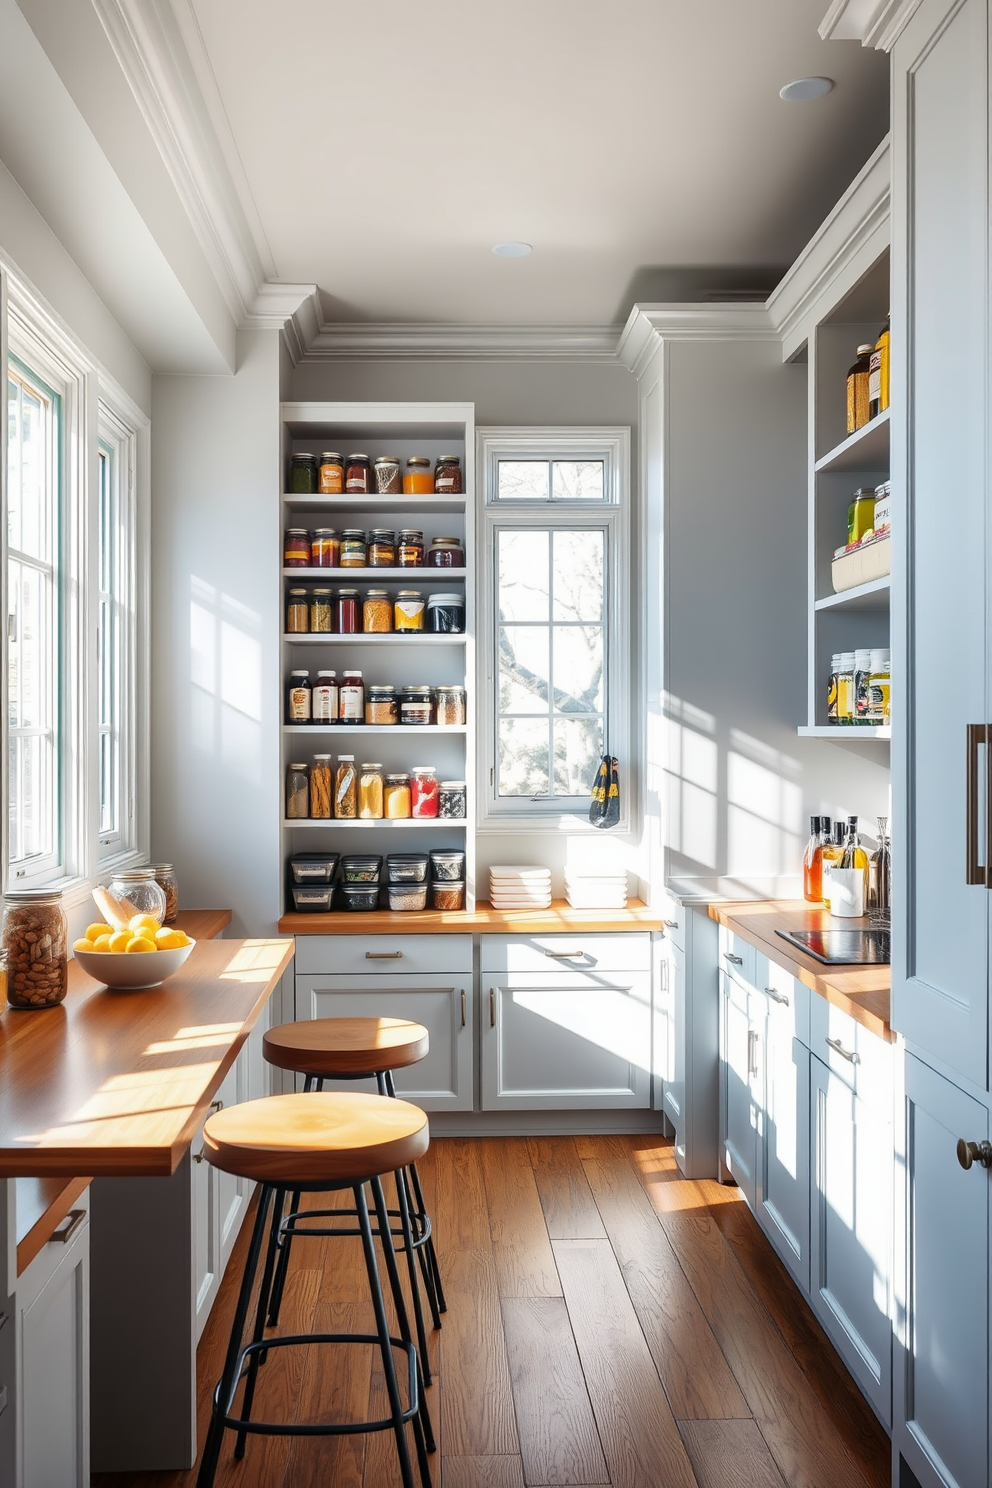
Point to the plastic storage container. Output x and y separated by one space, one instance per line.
448 895
406 868
446 614
448 867
408 896
360 895
312 898
313 867
361 868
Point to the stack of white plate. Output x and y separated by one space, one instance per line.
596 890
516 886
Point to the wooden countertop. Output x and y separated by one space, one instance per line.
483 921
203 924
861 991
116 1083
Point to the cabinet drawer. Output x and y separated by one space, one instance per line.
736 957
543 953
850 1052
673 920
788 997
360 955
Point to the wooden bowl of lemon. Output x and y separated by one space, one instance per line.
143 954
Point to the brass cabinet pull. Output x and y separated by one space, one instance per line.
565 955
384 955
848 1054
75 1218
492 1007
972 1152
776 996
975 872
463 1007
734 960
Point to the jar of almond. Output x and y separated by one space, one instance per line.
35 938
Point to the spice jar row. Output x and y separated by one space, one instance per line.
378 547
366 793
358 474
406 885
859 689
376 612
350 701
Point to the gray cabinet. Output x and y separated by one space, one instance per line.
741 1084
782 1189
689 1089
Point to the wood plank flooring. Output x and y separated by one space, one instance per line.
610 1324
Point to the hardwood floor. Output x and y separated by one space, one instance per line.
608 1323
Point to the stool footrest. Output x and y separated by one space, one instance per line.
294 1224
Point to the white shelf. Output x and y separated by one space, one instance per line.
413 507
353 824
388 638
866 449
374 728
845 733
365 575
871 596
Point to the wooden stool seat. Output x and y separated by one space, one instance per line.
345 1046
316 1138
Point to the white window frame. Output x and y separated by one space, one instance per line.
118 439
612 515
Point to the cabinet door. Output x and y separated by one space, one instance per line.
940 190
442 1081
203 1210
53 1348
851 1230
566 1042
662 1021
740 1099
942 1377
232 1192
782 1198
674 1083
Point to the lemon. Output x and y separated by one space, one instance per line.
139 943
82 945
184 939
121 940
102 943
140 923
99 928
168 940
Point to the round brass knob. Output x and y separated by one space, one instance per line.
972 1152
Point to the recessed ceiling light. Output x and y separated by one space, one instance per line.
512 250
803 89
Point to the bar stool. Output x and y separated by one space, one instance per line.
318 1143
359 1049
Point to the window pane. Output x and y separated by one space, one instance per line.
577 658
577 480
31 780
578 576
29 460
523 757
522 575
522 480
29 646
578 744
523 669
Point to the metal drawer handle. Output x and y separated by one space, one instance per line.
848 1054
199 1156
383 955
463 1007
565 955
734 960
972 1152
776 996
217 1105
74 1218
670 924
752 1053
492 1007
976 872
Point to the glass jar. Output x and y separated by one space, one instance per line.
297 612
346 788
346 605
137 892
381 705
325 698
298 698
165 877
449 706
423 791
357 475
415 706
410 548
448 895
446 552
396 797
446 614
351 698
418 479
320 787
408 611
320 612
296 550
377 612
325 548
35 939
353 552
861 514
387 475
297 792
331 474
381 548
448 475
451 799
370 792
303 475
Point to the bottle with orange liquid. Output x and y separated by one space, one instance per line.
813 862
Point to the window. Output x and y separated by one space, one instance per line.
115 634
555 623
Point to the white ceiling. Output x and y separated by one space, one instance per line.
380 148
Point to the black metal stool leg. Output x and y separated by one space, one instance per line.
215 1433
411 1265
286 1239
382 1328
260 1311
423 1431
435 1291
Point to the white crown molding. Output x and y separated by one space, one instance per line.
875 23
293 309
457 343
650 325
861 217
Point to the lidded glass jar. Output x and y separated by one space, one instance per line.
382 548
297 612
452 799
387 475
396 798
448 475
353 551
450 705
297 792
137 887
408 611
165 877
410 548
331 480
381 705
357 475
296 548
446 552
377 612
415 705
347 608
320 612
418 479
423 791
446 614
303 475
370 792
325 548
35 939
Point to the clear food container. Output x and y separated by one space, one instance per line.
312 898
448 867
313 867
448 895
361 869
406 868
360 895
408 896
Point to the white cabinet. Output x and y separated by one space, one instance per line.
691 1008
741 1093
782 1187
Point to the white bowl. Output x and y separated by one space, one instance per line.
132 972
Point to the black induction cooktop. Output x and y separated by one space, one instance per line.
842 947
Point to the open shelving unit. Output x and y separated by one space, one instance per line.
404 429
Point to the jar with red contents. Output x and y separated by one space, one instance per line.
325 548
358 475
424 792
296 550
446 552
347 612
